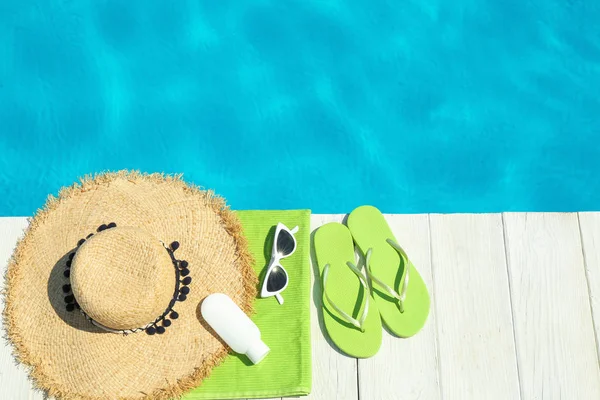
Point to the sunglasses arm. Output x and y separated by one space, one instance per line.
279 298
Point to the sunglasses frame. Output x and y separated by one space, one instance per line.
276 262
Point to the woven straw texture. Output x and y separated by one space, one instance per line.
72 359
123 278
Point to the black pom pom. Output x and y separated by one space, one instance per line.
102 227
71 256
69 299
66 288
70 307
166 323
182 297
183 264
81 241
185 272
69 263
174 245
112 225
89 236
187 280
185 290
174 315
160 330
67 273
150 331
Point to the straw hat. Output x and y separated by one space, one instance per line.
103 292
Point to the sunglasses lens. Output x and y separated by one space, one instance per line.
276 279
285 243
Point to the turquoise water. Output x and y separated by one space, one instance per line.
413 106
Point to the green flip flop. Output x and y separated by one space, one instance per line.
349 311
398 289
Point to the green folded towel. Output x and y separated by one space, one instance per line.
286 371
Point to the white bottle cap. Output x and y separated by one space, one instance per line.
257 351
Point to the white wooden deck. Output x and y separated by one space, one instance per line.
515 314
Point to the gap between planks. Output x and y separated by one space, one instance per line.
555 338
475 329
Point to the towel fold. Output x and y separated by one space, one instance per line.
286 371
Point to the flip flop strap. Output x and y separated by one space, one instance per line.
358 323
404 285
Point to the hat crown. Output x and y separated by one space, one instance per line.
123 278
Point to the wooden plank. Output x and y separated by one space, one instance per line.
13 378
553 325
472 304
413 361
590 236
334 374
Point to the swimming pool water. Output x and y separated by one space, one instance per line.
413 106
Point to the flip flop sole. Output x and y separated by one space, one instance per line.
334 246
370 230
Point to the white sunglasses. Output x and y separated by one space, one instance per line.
276 278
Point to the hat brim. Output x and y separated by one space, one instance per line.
70 357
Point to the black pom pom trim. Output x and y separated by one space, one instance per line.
112 225
181 291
